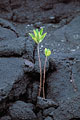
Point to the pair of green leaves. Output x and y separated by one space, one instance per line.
47 52
38 35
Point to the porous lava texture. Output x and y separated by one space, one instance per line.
19 71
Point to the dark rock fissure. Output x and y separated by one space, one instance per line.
26 97
75 119
9 29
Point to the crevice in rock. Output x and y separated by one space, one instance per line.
3 9
8 27
47 7
66 1
22 90
19 88
62 19
75 119
72 78
51 70
16 6
14 55
14 18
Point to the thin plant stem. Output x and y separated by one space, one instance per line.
40 71
44 77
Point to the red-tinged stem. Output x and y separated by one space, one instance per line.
40 71
44 77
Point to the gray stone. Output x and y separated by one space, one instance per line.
67 58
39 115
12 47
48 118
45 103
68 109
38 24
47 112
6 24
6 34
21 18
32 91
5 6
12 80
16 4
35 91
10 71
21 13
5 118
22 111
60 86
65 40
24 29
29 66
30 49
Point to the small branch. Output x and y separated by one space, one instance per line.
40 71
44 77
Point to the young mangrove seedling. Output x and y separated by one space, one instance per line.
38 36
47 53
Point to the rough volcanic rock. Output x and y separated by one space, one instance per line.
24 11
48 118
63 40
68 36
67 58
46 103
40 115
30 49
12 81
13 47
29 66
68 110
5 118
32 91
64 82
47 112
22 111
7 34
7 24
10 71
5 6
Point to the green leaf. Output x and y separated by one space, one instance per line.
41 31
33 37
47 52
35 40
31 34
43 36
38 37
35 33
